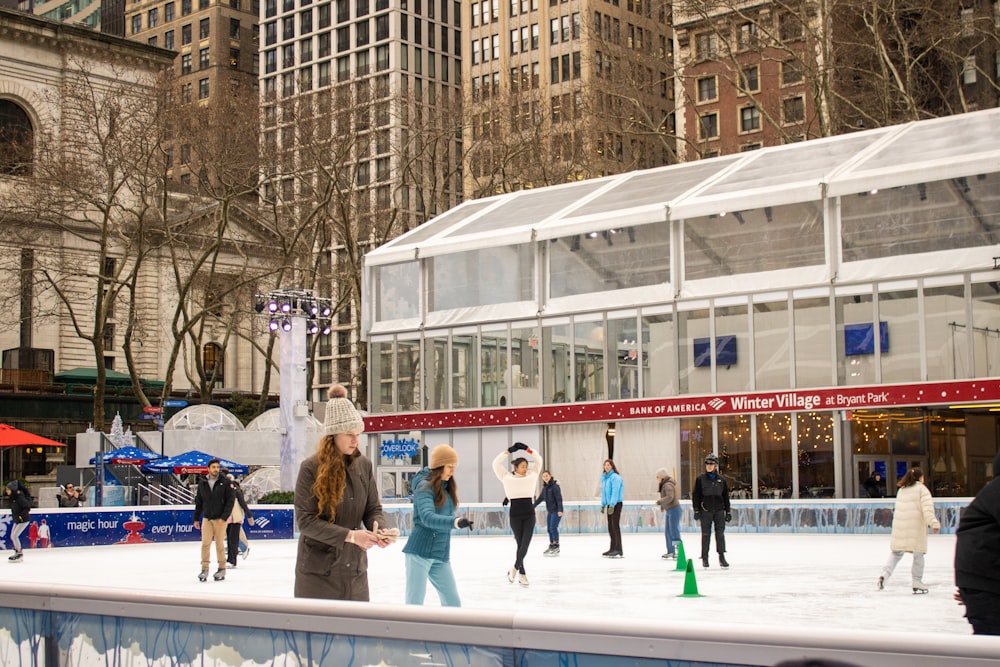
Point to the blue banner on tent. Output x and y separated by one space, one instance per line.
133 526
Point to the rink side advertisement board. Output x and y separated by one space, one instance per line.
794 400
133 525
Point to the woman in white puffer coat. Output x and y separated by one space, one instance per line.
913 514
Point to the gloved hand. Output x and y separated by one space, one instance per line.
462 522
517 446
506 501
697 516
604 509
729 517
610 509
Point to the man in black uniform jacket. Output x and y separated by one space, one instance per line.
710 501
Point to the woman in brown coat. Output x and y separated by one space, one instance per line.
337 510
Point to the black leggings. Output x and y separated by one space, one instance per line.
523 526
615 529
232 542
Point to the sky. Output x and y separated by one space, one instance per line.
802 581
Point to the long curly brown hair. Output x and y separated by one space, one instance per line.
331 476
437 485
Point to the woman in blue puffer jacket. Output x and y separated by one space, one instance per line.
435 499
612 497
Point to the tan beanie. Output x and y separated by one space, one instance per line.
443 455
342 417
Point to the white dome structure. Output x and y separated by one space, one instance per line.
270 421
203 418
261 482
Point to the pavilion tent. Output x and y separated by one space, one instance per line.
15 437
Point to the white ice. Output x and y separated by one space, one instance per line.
802 581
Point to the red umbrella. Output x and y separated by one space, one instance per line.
15 437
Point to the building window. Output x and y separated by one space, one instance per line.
362 38
213 361
168 39
708 126
234 28
706 45
152 17
750 79
17 140
747 38
969 70
203 28
749 119
168 12
185 153
270 33
306 22
287 28
789 27
136 23
186 63
185 7
234 58
324 16
746 148
381 27
793 109
324 44
185 93
203 89
203 58
707 89
185 34
203 4
151 41
270 61
791 72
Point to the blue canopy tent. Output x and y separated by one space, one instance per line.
193 462
127 456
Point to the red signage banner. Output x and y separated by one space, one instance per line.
793 400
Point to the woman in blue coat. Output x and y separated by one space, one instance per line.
612 495
435 498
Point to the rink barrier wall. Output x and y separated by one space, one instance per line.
67 626
94 526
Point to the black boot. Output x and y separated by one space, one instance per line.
704 561
722 561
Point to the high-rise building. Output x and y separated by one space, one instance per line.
565 89
83 12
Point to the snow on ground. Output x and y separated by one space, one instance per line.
803 581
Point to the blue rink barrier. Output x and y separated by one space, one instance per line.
71 626
135 525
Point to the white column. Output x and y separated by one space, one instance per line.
292 405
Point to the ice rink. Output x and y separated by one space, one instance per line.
803 581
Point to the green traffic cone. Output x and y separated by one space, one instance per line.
690 585
681 558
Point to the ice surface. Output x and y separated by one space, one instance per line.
804 581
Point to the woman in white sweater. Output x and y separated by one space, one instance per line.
520 486
913 514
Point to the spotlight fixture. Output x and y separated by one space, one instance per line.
312 327
327 329
273 325
286 324
286 306
259 306
326 311
272 306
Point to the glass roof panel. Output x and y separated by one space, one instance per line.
657 186
808 161
938 140
529 207
440 223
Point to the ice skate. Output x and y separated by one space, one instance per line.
203 575
723 562
880 583
616 554
920 588
704 562
522 579
511 573
18 557
219 575
607 553
552 550
672 556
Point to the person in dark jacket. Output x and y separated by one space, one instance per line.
213 502
710 501
977 556
337 510
234 523
20 510
671 504
873 486
552 495
435 499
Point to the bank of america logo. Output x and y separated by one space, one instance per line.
716 403
261 522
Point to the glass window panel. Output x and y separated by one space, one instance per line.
736 454
397 291
901 361
815 455
907 432
659 362
495 374
408 375
947 461
692 325
813 356
986 329
611 259
556 342
696 444
944 325
436 372
463 371
772 344
524 347
774 455
382 377
924 217
481 277
869 432
732 371
588 360
856 339
621 347
530 207
764 239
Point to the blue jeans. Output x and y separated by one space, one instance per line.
672 527
419 570
552 523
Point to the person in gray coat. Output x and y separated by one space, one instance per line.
337 510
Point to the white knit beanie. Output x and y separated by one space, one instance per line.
342 417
